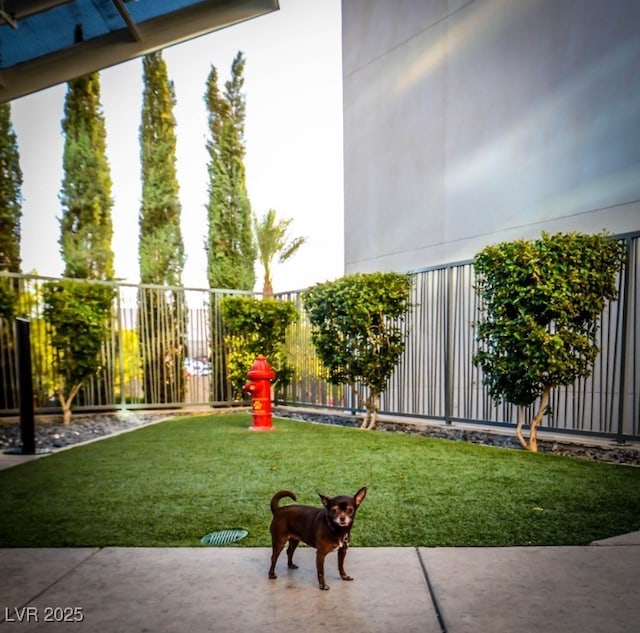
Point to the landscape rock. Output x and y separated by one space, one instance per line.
51 434
601 450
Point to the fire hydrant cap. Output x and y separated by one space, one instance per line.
261 370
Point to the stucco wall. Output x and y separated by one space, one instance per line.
472 122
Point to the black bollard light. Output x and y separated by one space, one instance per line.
25 386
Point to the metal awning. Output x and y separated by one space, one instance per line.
46 42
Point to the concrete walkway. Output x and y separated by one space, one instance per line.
396 590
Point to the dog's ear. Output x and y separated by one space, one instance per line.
325 500
360 495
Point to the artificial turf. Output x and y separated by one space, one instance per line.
170 484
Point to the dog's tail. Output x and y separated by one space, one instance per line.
278 496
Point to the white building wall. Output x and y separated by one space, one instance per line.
469 122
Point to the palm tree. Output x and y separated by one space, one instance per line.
273 241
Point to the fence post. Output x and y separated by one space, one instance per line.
625 298
25 386
120 343
448 345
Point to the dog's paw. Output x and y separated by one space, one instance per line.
292 566
345 577
272 576
324 587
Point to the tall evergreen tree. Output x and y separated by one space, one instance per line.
86 227
10 216
162 326
10 194
230 244
79 312
161 250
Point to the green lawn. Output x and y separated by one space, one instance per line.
171 483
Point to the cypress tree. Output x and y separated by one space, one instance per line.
86 227
162 321
10 216
10 194
161 250
230 244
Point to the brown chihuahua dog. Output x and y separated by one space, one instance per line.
327 529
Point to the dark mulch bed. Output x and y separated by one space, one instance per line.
606 451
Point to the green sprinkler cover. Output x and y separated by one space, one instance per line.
223 537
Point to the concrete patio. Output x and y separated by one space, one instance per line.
396 590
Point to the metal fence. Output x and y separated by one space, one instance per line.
435 378
160 353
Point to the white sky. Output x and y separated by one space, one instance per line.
293 88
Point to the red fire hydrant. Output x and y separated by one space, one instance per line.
259 386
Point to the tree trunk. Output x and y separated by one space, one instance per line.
532 444
65 403
66 413
521 413
361 403
372 405
536 421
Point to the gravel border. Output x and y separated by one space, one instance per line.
604 450
51 434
